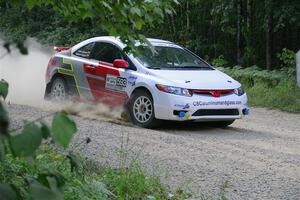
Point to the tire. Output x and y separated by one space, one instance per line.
220 124
141 110
59 90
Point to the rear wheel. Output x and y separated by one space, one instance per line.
141 110
59 90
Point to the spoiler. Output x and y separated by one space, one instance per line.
59 49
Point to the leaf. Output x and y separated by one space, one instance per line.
4 120
26 143
43 179
7 47
149 197
99 189
45 130
39 191
135 10
22 49
2 149
7 192
158 11
30 4
74 162
3 88
106 5
63 129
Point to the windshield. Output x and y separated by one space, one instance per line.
166 57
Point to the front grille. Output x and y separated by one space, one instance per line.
210 112
214 93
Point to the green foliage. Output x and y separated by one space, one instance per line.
254 75
4 120
78 20
284 96
272 89
48 176
209 28
63 129
26 144
219 62
31 135
3 89
134 183
51 172
7 193
287 58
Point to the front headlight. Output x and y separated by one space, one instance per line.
174 90
239 91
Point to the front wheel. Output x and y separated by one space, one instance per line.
141 110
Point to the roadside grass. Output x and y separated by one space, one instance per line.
88 181
285 96
272 89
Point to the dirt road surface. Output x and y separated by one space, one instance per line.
257 157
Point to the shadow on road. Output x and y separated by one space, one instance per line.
187 125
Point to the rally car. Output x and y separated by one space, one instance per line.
165 82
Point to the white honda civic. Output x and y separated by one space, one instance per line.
169 83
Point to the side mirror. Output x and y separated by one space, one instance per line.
120 63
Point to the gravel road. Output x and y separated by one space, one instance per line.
257 157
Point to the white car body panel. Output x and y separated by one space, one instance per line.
165 103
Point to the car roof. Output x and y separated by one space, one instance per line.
113 38
116 40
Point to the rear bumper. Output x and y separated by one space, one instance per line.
200 107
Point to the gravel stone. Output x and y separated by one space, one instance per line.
257 157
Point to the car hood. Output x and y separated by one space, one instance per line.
196 79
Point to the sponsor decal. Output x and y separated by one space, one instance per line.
216 103
131 80
115 83
187 116
184 115
183 106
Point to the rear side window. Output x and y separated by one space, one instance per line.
85 51
106 52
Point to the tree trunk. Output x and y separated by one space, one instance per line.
269 33
187 16
248 35
238 33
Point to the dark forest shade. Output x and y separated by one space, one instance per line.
245 32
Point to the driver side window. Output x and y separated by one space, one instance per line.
106 52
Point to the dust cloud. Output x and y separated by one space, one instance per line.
25 73
26 77
90 111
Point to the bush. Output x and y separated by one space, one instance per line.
273 89
287 58
219 62
89 182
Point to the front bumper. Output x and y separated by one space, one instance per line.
181 108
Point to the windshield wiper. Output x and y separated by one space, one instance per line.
195 67
153 67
